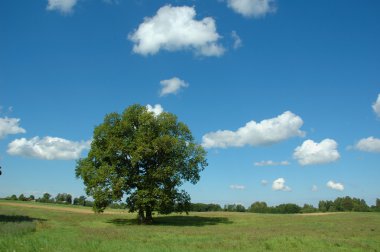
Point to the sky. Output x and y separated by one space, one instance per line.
283 95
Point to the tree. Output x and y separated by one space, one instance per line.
63 198
258 207
81 201
45 198
142 156
22 197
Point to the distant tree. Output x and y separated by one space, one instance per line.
46 198
288 208
259 207
81 201
63 198
201 207
31 197
13 197
22 197
240 208
307 208
142 156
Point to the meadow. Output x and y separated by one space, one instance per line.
30 226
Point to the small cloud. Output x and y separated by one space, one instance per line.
335 186
369 144
48 148
156 110
264 182
10 126
310 152
252 8
172 86
314 188
63 6
266 132
237 187
237 40
376 106
175 29
271 163
279 185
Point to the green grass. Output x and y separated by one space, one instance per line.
32 229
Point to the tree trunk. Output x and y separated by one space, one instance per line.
141 217
148 218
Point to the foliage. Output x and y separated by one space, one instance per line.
258 207
234 208
81 201
142 156
201 207
63 198
343 204
307 208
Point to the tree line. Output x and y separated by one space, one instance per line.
63 198
340 204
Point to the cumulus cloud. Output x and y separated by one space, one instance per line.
156 109
10 126
264 182
63 6
369 144
266 132
279 185
271 163
174 29
376 106
49 148
310 152
335 186
252 8
237 187
237 40
172 86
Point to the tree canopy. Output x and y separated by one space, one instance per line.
144 157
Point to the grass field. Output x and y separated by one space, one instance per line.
27 227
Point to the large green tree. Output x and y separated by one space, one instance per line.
144 157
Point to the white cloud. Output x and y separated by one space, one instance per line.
156 110
271 163
237 40
335 186
9 126
311 152
376 106
252 8
369 144
175 28
63 6
266 132
237 187
264 182
172 86
314 188
49 148
279 185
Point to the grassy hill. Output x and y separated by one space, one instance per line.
43 227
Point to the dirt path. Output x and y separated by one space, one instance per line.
56 208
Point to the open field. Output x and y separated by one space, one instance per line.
45 227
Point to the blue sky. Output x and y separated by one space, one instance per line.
282 94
